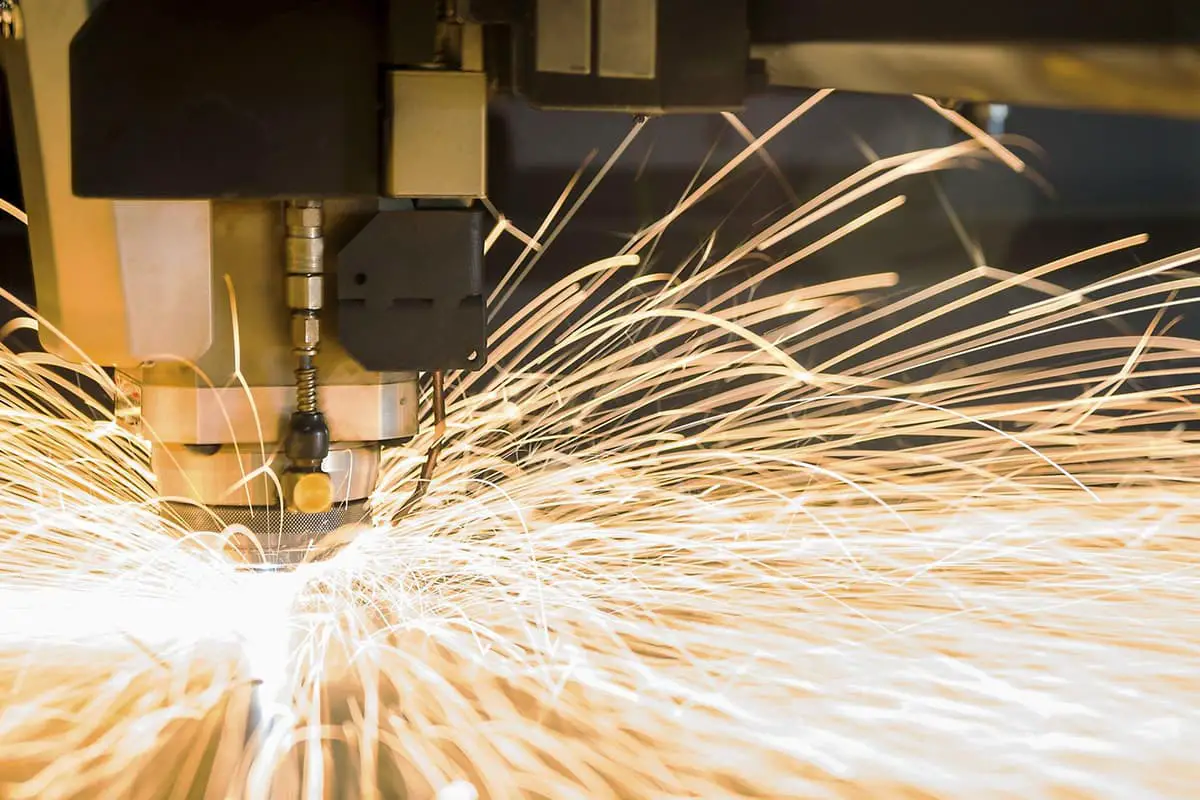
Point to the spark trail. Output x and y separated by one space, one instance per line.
686 539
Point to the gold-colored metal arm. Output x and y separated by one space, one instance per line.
123 280
1143 79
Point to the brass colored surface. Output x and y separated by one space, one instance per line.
310 492
1157 80
436 145
298 216
628 40
470 47
564 37
305 292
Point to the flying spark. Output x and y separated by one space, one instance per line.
686 537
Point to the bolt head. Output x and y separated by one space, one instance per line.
309 492
303 217
306 331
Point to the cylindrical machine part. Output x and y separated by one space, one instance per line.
305 255
229 415
264 532
307 488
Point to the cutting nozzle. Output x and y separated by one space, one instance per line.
262 537
307 488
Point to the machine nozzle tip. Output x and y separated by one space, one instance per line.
311 493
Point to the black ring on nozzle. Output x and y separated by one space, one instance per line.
307 443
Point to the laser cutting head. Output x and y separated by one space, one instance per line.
294 452
179 162
273 289
277 427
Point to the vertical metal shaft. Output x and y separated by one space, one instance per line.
305 253
307 487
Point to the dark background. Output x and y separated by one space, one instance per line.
1111 175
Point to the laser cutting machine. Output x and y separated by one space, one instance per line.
289 192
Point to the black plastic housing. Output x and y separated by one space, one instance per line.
1155 22
308 439
410 291
272 98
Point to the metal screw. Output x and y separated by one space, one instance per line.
12 25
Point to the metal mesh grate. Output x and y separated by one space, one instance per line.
285 541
